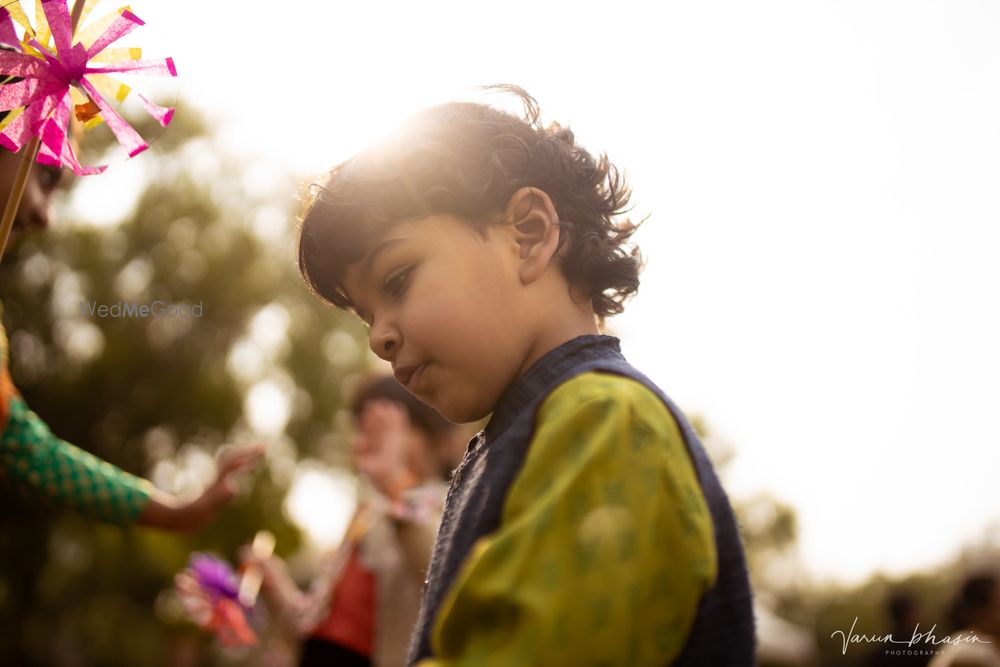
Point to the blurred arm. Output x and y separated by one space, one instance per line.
43 466
46 467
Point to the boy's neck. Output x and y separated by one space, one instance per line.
558 330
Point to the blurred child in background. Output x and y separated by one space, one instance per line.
363 603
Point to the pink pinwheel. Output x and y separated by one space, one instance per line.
49 76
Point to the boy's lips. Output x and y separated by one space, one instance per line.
408 375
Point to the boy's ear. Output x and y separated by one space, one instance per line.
534 227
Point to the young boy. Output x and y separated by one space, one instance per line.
586 525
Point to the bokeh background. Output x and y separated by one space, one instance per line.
820 291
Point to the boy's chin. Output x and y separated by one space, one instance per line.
457 413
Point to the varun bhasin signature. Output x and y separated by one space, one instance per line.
918 637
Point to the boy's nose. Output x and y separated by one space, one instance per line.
384 341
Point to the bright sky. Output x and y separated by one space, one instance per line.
822 271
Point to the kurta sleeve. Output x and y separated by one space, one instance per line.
42 466
605 545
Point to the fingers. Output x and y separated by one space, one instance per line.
241 455
185 582
232 460
193 599
218 495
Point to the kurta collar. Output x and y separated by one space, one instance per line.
540 377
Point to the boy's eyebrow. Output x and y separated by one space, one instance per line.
369 261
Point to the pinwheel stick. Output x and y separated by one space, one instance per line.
28 154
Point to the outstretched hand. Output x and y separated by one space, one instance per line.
231 462
166 511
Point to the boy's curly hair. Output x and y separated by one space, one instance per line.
467 160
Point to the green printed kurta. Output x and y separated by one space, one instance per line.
40 465
604 518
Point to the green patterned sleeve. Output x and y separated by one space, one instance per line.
605 545
40 465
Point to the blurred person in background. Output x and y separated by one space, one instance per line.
362 604
904 613
976 614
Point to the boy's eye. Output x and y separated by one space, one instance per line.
396 283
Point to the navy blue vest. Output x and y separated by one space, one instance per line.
723 631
